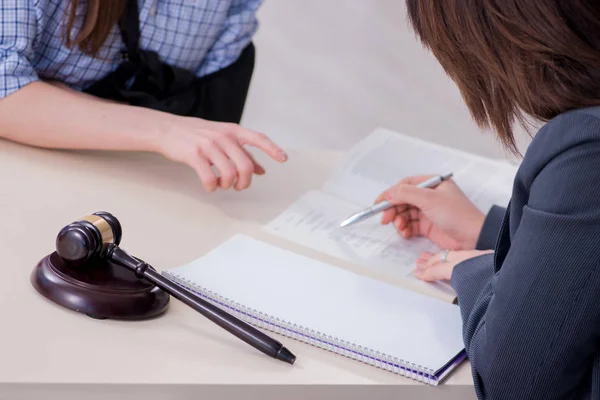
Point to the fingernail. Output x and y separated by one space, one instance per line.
283 156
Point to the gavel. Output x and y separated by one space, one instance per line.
98 236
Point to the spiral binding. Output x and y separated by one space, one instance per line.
306 335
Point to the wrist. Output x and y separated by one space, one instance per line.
146 129
474 230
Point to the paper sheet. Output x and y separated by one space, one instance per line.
313 221
384 158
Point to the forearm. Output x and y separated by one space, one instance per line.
46 115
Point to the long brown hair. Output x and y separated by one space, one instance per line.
515 59
100 18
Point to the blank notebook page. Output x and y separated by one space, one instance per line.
329 300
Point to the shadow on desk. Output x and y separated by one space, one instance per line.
151 391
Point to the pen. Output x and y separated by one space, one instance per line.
242 330
233 325
384 205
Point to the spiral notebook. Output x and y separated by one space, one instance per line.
337 310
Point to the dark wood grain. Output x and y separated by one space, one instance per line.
100 291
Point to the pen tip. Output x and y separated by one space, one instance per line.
349 221
285 355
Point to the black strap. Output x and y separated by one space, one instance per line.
143 80
130 30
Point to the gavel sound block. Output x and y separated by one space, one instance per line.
95 285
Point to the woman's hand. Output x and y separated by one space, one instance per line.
434 267
53 116
443 214
204 145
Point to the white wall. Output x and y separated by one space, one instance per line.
329 71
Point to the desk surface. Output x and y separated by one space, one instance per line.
168 220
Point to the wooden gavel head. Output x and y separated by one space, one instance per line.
90 274
83 240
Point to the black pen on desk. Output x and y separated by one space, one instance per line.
230 323
384 205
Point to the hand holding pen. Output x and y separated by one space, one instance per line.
420 206
382 205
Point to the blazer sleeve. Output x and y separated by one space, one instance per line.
531 330
490 229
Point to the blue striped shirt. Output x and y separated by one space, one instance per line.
199 35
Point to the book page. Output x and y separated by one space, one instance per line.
313 221
385 157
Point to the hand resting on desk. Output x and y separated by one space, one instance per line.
431 267
50 115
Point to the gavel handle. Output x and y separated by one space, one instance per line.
233 325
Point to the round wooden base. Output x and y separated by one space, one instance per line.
99 289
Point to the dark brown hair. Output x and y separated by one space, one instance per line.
100 18
515 59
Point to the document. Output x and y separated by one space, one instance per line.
384 158
314 221
370 167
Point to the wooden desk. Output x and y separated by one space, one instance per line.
52 353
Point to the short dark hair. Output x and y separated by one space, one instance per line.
514 59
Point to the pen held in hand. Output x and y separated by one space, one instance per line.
384 205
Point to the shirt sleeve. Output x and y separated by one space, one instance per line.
237 33
531 330
18 29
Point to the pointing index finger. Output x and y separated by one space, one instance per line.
263 142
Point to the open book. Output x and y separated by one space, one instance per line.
373 165
407 327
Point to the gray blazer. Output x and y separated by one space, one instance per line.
531 310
